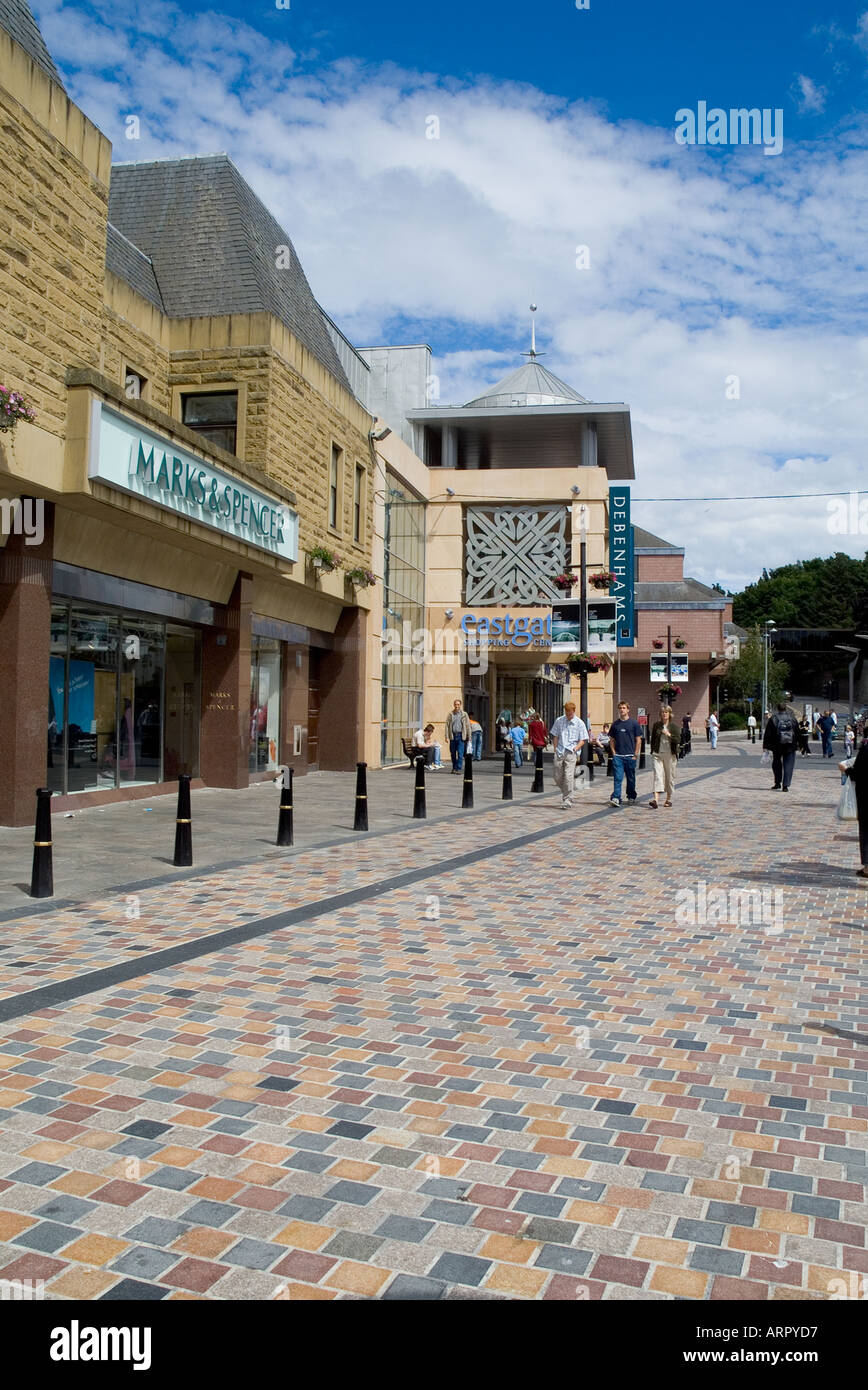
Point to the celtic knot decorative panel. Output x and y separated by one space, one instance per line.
513 553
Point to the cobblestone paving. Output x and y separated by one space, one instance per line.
559 1087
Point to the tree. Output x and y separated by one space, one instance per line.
819 593
745 676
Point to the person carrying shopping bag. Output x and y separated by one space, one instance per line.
665 744
857 771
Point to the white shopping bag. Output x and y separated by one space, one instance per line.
847 802
766 758
580 778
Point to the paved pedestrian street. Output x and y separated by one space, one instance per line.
513 1054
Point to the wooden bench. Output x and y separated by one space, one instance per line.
411 752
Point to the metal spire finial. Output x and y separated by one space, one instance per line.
533 352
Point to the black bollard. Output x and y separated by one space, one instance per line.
419 791
506 794
538 771
42 876
588 762
467 786
284 819
610 771
642 755
183 825
361 819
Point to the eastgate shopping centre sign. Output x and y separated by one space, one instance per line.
149 465
508 631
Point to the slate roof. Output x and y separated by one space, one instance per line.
529 384
132 265
212 245
17 19
677 591
646 540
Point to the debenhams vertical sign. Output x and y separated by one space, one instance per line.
149 465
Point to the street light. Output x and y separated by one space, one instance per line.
840 647
766 639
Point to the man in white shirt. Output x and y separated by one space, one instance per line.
713 728
751 728
569 735
422 739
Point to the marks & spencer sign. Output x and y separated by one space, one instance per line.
149 465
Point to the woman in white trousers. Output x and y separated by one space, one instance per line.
665 742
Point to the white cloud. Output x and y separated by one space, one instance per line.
810 95
703 265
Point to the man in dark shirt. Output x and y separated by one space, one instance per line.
625 741
781 739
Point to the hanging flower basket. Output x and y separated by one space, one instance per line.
14 407
323 559
679 643
657 642
360 577
565 581
601 579
668 693
588 663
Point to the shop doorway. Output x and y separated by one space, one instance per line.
313 708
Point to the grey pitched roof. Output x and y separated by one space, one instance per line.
646 540
677 591
529 384
17 19
132 265
213 246
733 630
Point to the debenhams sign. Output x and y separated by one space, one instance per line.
149 465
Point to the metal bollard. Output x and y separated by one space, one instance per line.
642 755
588 763
42 875
183 825
419 791
538 785
284 819
361 818
467 786
610 771
506 794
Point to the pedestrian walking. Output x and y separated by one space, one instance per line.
476 736
665 743
781 739
826 726
537 732
686 740
713 728
849 741
707 729
805 738
517 736
751 728
859 774
625 741
569 735
503 724
457 735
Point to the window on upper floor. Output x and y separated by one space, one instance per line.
334 493
359 504
135 384
214 415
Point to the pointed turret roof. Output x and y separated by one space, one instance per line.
530 384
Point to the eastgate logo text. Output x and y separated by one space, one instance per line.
508 631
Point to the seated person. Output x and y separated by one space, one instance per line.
423 739
600 746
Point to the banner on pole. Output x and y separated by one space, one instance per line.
621 563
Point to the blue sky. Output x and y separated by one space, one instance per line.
555 130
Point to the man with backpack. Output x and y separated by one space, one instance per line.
781 739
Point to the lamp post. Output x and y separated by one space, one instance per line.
766 639
851 668
583 621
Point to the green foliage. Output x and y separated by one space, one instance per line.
745 676
831 592
730 719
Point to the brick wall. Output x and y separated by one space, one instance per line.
659 567
53 205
